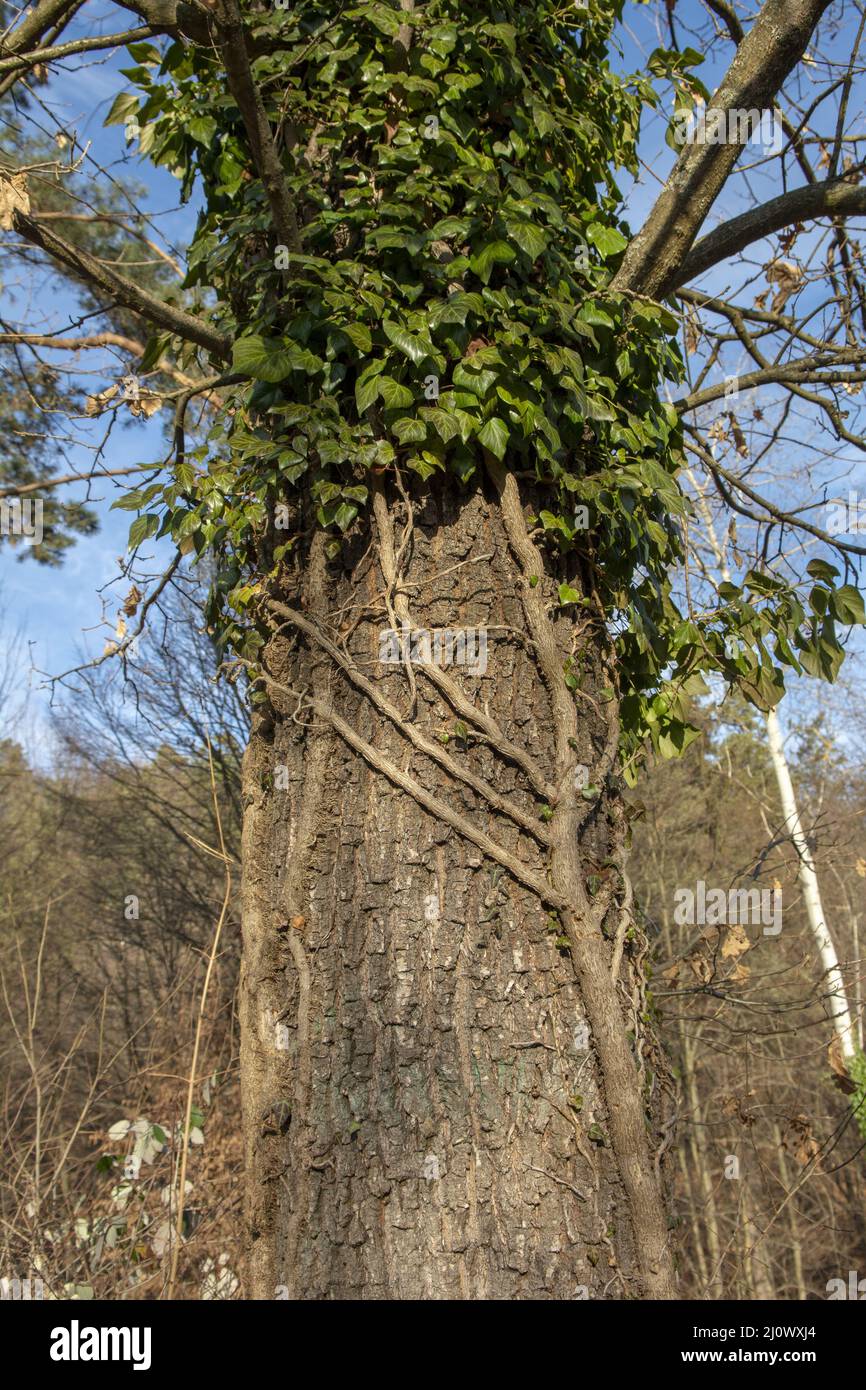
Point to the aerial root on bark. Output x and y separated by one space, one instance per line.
560 884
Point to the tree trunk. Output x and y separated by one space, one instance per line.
836 993
449 1085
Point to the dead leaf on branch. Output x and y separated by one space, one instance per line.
736 943
96 404
841 1079
787 238
141 403
13 198
788 276
693 329
799 1140
132 600
701 968
740 1106
147 404
739 438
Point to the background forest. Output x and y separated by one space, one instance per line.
100 1005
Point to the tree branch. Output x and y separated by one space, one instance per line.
68 50
774 45
120 649
116 221
87 340
121 290
233 48
833 198
170 17
738 314
783 518
814 370
35 25
45 483
729 18
106 340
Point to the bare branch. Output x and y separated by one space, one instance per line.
35 25
817 369
121 290
768 53
833 198
68 50
781 517
120 649
87 340
45 484
116 222
728 17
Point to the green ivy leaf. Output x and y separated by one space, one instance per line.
569 595
413 347
529 237
607 240
494 436
394 395
359 334
493 254
142 529
409 429
847 605
264 359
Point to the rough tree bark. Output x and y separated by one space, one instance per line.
456 1106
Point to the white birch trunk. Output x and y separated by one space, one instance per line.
808 878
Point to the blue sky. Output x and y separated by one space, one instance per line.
60 611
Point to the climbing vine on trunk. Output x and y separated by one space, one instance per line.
410 224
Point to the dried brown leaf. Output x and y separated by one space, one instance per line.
736 943
13 198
